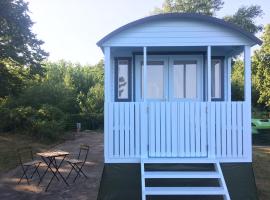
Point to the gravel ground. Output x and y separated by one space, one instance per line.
82 189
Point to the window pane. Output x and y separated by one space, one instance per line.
178 81
216 79
123 80
191 81
155 80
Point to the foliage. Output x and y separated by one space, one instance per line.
244 17
19 47
45 123
237 79
66 94
261 68
207 7
18 43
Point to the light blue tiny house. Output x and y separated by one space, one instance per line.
168 98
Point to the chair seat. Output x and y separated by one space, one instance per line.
33 162
74 161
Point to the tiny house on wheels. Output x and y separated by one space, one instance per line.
171 130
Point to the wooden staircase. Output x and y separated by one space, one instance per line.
217 174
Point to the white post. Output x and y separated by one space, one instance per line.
229 84
107 95
247 74
107 74
209 95
145 73
144 119
247 105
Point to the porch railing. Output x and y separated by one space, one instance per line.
177 129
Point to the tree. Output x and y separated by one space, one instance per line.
261 68
244 17
207 7
19 46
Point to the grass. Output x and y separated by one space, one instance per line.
8 145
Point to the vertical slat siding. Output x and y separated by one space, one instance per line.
176 129
152 134
132 136
198 129
126 129
223 130
240 129
163 130
121 127
234 130
158 130
192 130
174 121
203 130
229 131
110 126
212 128
137 126
116 130
168 130
144 115
181 129
187 129
218 129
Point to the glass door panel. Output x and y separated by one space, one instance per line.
155 80
178 80
184 84
191 81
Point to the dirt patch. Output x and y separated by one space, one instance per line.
261 163
82 189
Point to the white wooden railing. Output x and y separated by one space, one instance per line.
217 130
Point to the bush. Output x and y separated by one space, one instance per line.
46 123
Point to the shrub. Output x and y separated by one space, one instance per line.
46 123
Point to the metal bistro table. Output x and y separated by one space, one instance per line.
49 158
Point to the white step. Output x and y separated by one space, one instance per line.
181 174
184 191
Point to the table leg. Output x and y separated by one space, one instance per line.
47 164
57 170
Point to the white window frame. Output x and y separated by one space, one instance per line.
168 89
187 58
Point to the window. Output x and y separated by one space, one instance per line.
216 79
185 79
155 80
123 79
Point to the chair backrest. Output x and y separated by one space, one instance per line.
25 154
83 153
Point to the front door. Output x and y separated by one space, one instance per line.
176 113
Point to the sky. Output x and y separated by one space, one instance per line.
71 28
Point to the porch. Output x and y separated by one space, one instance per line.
196 122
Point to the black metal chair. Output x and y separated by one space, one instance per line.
26 160
78 163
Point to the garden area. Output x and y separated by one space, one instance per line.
49 104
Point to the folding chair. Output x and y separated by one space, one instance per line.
77 164
26 160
